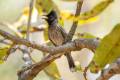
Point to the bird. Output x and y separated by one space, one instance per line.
57 36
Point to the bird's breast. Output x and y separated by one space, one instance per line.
55 36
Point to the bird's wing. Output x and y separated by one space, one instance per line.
63 32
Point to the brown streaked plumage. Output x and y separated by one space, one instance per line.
57 35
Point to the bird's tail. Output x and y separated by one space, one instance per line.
70 62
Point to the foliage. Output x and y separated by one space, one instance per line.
3 53
52 71
108 50
85 35
86 17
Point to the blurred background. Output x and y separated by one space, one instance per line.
11 11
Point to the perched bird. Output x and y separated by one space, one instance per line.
57 35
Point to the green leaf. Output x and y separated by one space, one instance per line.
61 22
46 34
52 71
88 16
96 10
3 52
45 6
78 66
69 0
10 28
85 35
23 30
108 50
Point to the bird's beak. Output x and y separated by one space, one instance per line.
44 17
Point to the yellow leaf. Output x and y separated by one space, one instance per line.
88 16
3 52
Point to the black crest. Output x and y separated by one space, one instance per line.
52 16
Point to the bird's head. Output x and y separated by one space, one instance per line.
51 17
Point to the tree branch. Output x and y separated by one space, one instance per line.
32 71
71 46
26 53
113 69
29 19
75 23
75 45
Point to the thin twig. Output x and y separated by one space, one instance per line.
26 53
113 69
10 50
29 19
71 46
34 29
4 42
75 23
36 68
56 51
